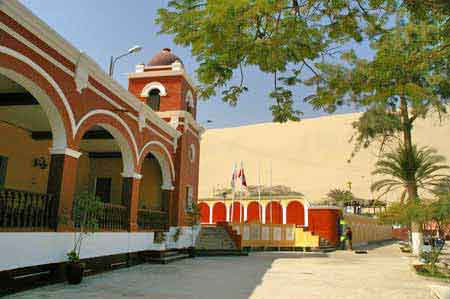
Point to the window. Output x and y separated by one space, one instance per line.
3 167
192 153
189 102
103 189
153 99
188 199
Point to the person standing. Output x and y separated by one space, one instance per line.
348 237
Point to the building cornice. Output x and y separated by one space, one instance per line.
163 73
40 29
188 119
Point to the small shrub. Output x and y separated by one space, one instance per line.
160 237
177 234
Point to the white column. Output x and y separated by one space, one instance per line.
227 213
211 214
306 208
284 214
245 213
263 214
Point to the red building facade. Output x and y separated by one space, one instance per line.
67 127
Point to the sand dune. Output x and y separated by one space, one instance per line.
309 156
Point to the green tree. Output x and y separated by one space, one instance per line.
427 171
440 212
281 38
340 197
405 80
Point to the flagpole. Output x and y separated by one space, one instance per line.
259 192
270 194
241 190
234 188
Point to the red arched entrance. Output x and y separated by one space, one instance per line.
237 212
254 212
295 213
274 213
204 212
219 212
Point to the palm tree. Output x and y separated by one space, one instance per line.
427 168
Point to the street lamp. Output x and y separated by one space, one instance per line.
113 60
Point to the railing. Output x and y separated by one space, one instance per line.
111 217
114 217
23 210
151 219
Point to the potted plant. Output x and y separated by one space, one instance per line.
177 234
86 212
194 213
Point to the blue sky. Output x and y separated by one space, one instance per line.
102 28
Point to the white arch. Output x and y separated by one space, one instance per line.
59 138
127 152
167 167
46 103
153 85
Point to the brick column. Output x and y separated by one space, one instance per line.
167 204
130 198
61 183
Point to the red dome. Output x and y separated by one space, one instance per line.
165 57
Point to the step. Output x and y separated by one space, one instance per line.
220 252
167 259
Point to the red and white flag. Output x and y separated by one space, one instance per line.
241 176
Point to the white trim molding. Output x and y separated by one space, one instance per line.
49 79
166 163
115 116
81 73
153 85
188 119
167 187
41 30
65 151
133 175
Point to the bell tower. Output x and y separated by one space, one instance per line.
163 84
166 88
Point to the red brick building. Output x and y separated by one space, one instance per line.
67 127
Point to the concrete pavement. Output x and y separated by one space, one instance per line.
383 273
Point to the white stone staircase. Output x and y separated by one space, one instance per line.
214 238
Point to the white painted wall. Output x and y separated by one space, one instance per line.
19 250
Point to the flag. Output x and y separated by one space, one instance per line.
233 177
241 175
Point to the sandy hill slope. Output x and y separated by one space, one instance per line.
310 156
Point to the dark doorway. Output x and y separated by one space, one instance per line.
3 168
103 189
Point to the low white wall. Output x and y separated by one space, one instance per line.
19 250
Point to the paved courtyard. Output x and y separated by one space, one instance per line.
383 273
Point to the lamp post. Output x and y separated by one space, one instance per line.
113 60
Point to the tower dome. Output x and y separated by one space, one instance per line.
164 57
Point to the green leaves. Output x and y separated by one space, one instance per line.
428 170
340 197
226 36
283 110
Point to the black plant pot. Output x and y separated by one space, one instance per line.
74 273
191 251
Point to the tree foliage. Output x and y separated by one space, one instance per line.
428 168
407 78
340 197
281 37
